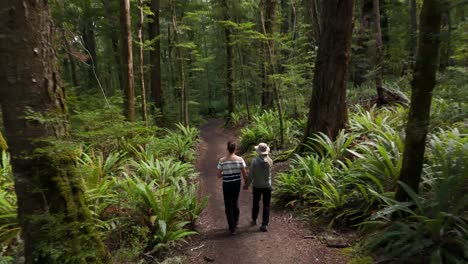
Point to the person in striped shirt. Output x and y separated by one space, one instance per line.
230 169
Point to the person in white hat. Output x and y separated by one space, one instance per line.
260 176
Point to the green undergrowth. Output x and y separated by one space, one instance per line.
350 182
140 186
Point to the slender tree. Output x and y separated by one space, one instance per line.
413 28
229 61
52 210
268 26
181 66
327 110
312 17
89 41
157 96
379 56
114 38
141 60
424 81
127 58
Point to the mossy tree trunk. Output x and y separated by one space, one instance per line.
424 81
51 204
327 109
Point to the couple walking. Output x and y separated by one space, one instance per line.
231 168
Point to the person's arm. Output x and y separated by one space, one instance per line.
250 177
220 170
244 174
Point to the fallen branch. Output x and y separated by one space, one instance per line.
196 248
338 245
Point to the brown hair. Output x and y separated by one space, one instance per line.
231 147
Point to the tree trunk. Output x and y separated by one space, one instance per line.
379 57
141 60
268 24
127 60
313 19
328 113
242 77
384 23
52 208
413 29
89 43
181 66
445 51
155 58
74 76
114 37
424 81
268 15
229 62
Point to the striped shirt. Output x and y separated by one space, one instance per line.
231 169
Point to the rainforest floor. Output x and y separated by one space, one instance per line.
288 240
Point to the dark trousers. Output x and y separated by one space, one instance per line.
257 194
231 202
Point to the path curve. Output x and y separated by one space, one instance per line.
283 243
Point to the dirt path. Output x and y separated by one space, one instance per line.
283 243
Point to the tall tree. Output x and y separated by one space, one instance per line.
141 60
423 83
268 21
312 17
157 96
109 9
268 24
181 65
379 55
51 205
327 109
446 50
229 61
413 28
127 60
89 41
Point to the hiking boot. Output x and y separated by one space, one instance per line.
264 228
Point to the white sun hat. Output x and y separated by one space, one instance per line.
262 149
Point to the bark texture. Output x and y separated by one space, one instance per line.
328 112
157 96
424 81
127 60
51 205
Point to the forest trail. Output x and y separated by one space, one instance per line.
283 243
